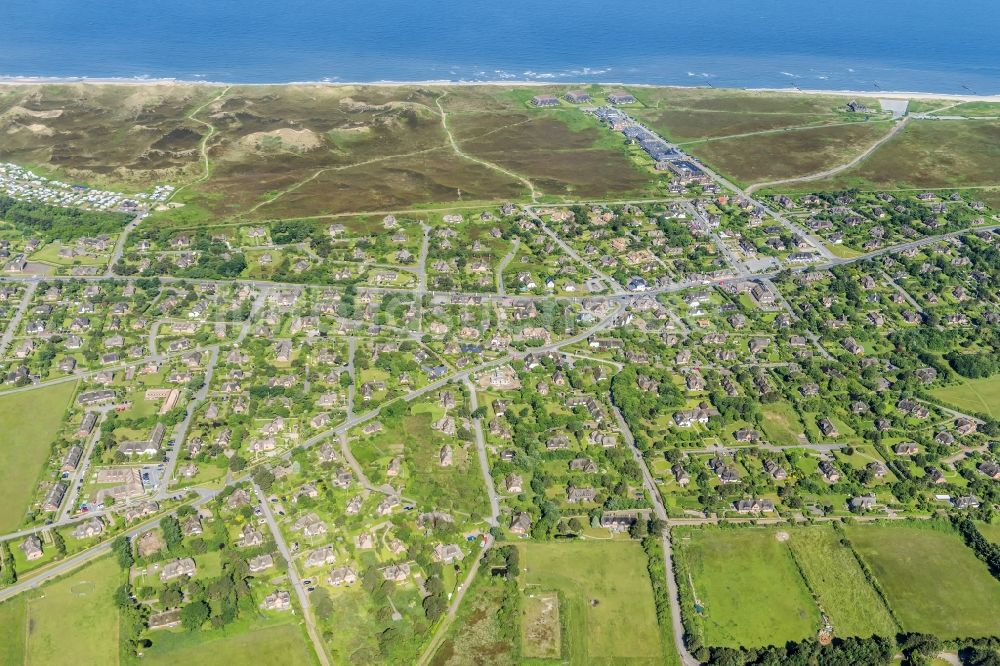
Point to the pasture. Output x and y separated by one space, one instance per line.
747 583
932 581
605 600
29 422
835 577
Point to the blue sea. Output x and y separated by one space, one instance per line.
912 45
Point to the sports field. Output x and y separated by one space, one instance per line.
71 621
834 575
974 395
933 582
605 599
29 421
751 593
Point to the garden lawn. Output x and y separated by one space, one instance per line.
973 395
29 422
837 580
605 599
749 587
932 581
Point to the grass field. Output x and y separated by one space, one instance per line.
606 603
265 644
927 154
991 531
12 630
72 620
29 421
749 587
775 156
781 423
933 582
836 578
974 395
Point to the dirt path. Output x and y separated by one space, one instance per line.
777 130
490 165
203 147
835 170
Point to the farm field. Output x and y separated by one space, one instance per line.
605 599
38 629
933 582
748 585
29 421
270 642
834 575
974 395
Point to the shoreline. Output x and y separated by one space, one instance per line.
139 81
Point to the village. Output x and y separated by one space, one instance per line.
349 422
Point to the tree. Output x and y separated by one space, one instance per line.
194 615
264 478
172 535
59 542
122 549
434 606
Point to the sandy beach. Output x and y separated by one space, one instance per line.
889 94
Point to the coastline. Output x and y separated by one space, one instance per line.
139 81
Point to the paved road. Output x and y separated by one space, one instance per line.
76 478
180 432
687 659
293 577
425 244
515 245
15 322
829 262
116 255
484 464
81 558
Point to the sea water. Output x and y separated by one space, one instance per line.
871 45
